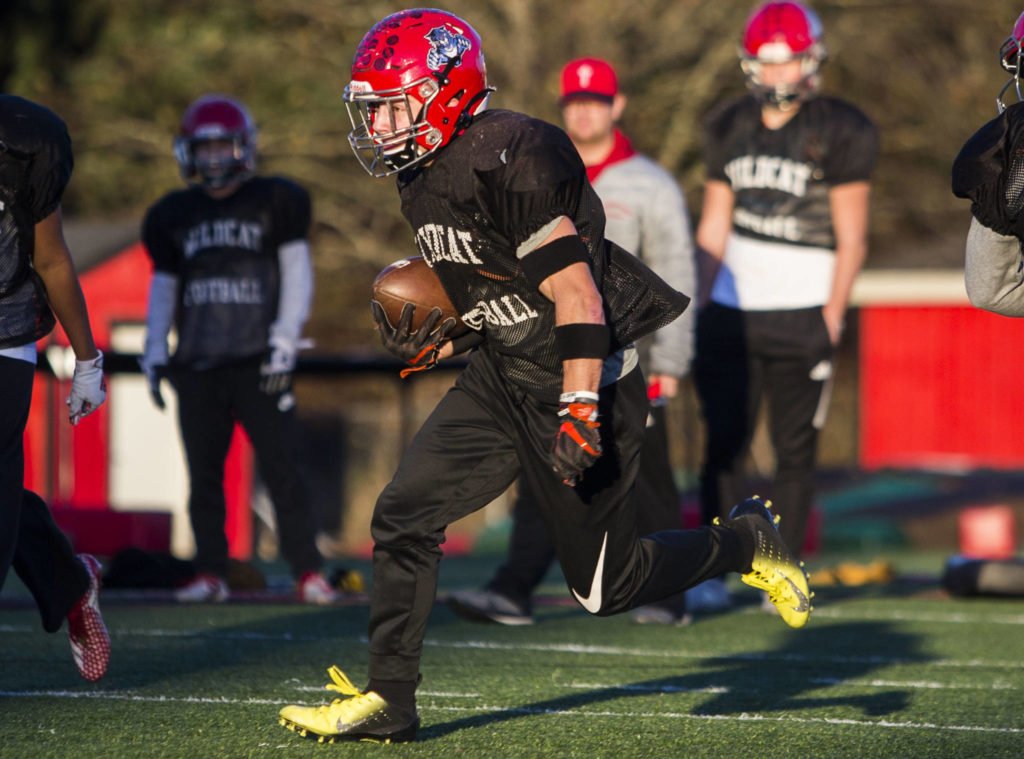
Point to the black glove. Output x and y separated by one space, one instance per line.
419 349
578 442
989 170
154 373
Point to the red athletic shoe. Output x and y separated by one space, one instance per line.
90 642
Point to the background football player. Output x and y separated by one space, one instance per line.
553 392
232 271
782 235
990 171
645 214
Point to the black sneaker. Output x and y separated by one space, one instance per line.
361 717
774 569
489 606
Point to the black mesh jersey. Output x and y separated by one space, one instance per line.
224 252
781 177
35 166
479 200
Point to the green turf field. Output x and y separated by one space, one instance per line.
880 671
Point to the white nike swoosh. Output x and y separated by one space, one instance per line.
592 602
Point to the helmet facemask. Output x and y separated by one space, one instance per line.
783 95
218 171
1010 59
408 137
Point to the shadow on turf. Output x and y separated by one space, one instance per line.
776 680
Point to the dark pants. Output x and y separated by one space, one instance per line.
742 355
483 434
30 540
531 551
209 404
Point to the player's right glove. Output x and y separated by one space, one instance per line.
419 349
578 442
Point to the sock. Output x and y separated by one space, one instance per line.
401 693
738 538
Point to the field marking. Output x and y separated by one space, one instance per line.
571 648
578 648
953 618
530 711
909 685
742 717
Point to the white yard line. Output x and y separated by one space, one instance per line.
529 711
574 648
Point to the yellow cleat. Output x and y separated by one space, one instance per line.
360 716
773 568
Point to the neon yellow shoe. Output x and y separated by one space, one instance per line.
361 717
774 569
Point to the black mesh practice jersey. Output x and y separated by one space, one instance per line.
781 177
472 208
35 166
224 252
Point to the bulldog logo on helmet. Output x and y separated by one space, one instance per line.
446 46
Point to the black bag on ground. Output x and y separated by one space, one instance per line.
984 577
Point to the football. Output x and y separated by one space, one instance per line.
412 281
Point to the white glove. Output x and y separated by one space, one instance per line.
276 371
88 388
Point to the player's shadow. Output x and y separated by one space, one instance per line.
781 680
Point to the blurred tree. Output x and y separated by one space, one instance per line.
121 74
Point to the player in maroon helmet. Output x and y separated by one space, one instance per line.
782 235
232 272
502 210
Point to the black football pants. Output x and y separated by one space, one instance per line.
209 404
531 551
742 355
483 434
30 540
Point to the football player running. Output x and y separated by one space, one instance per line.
232 270
781 238
990 171
501 208
38 280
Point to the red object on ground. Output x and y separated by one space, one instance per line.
988 532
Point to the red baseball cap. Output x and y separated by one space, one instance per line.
588 78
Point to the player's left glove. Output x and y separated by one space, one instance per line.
419 349
88 388
578 442
276 370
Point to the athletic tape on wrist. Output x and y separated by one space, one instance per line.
579 396
582 341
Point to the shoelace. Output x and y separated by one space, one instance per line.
351 708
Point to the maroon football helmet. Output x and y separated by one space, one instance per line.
778 32
216 118
1010 59
418 77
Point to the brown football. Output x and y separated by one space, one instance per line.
412 281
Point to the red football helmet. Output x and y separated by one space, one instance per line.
1010 59
418 77
778 32
216 118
